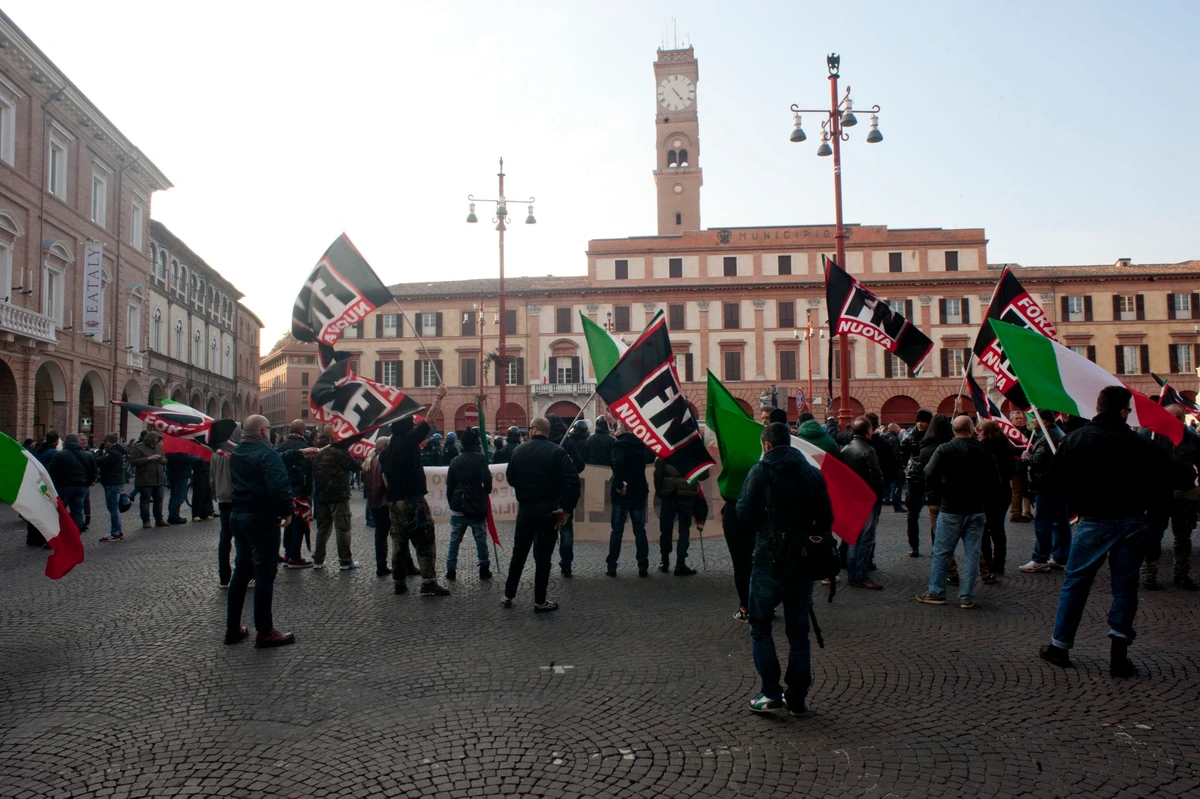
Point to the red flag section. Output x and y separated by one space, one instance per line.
67 546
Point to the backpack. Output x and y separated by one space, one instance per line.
800 556
299 470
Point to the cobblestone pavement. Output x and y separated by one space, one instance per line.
114 682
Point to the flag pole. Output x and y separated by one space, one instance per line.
1045 432
963 385
425 349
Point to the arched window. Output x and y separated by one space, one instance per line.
183 280
679 219
671 159
175 275
157 329
161 272
683 158
179 340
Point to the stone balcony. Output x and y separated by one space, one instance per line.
24 326
562 389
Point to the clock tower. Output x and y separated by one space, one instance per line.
677 171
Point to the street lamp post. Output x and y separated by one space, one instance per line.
809 333
838 116
501 226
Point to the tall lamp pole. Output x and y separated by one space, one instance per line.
500 220
838 116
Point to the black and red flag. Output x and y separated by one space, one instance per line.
340 292
644 393
356 405
1010 303
1167 395
985 408
858 312
183 428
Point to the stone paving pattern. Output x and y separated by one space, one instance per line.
114 683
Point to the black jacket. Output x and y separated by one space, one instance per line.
73 466
598 450
799 498
840 437
887 457
469 472
502 454
1107 471
431 455
299 466
449 453
260 483
1002 451
630 457
112 465
924 453
861 456
963 474
569 443
1037 462
541 473
179 466
1185 458
402 464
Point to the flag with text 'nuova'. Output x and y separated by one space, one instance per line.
856 311
985 408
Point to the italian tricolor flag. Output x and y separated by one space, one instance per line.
604 348
1057 379
545 370
739 440
25 484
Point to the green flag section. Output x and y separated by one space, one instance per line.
1056 379
26 485
604 348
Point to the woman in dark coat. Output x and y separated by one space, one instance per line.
995 542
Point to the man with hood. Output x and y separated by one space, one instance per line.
598 450
570 443
812 432
913 468
781 493
468 484
629 492
147 461
579 434
73 471
450 450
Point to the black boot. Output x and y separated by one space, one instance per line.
666 564
1119 664
1056 655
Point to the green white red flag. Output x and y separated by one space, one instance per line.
26 485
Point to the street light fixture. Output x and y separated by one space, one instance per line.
501 225
838 116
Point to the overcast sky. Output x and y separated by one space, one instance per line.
284 124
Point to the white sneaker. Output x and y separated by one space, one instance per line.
1033 566
351 565
320 565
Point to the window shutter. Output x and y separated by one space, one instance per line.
1087 308
1196 306
1064 305
945 362
966 310
1116 307
438 330
378 325
399 325
417 322
1144 356
520 371
360 328
942 312
887 364
417 371
908 311
1140 301
437 365
1091 352
1120 360
687 367
1195 352
378 371
1172 360
1170 306
575 368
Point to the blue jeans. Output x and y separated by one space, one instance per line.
950 528
766 594
72 498
671 511
566 543
225 543
1051 529
1119 541
370 515
178 495
858 557
458 529
637 514
256 539
112 501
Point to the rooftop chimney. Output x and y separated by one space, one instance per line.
1124 262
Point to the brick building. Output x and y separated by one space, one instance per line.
285 376
71 332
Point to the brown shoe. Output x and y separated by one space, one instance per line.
237 636
868 584
273 638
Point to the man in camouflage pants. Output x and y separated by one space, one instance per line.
332 468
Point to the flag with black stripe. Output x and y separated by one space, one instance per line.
1010 303
1167 395
643 392
858 312
356 405
985 408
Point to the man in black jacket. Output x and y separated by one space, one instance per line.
861 456
547 488
962 473
782 493
262 504
1051 522
411 519
112 477
914 494
296 453
1185 463
570 444
73 471
629 492
1112 478
598 450
468 484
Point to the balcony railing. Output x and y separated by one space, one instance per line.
26 323
566 389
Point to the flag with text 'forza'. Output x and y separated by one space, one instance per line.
356 405
986 409
183 428
1057 379
1012 304
642 391
340 292
1167 395
858 312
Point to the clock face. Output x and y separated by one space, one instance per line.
675 92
